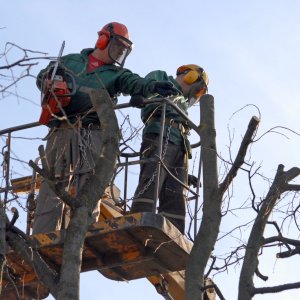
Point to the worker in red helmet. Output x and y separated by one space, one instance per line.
74 127
191 80
114 39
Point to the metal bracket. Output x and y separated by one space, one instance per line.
162 288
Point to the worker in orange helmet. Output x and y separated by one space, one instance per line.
98 67
191 81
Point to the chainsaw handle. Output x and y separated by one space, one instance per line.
73 91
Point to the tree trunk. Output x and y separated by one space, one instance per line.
209 228
89 196
70 271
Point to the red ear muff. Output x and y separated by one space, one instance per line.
191 76
103 40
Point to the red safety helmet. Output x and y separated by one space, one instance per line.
115 36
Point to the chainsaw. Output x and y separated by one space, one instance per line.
56 93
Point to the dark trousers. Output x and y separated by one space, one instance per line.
67 150
172 195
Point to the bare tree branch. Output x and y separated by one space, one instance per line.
239 160
278 288
292 187
289 253
20 63
250 264
261 276
272 130
282 239
57 187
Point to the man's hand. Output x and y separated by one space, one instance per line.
192 180
164 88
137 101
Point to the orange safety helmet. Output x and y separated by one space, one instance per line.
193 73
197 78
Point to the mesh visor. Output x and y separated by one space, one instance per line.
119 49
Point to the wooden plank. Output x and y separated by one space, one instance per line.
138 245
123 248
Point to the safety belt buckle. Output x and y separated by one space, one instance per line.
183 129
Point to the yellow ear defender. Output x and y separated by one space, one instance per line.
191 76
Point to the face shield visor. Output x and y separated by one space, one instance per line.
119 48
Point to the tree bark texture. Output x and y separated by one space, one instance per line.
88 196
209 227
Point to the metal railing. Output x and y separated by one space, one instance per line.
164 102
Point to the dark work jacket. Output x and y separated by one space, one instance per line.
153 112
114 79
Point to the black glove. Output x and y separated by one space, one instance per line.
164 88
137 101
192 180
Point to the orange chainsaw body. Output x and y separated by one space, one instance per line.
54 99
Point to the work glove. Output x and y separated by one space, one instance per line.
164 88
192 180
137 101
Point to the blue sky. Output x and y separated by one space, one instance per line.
250 51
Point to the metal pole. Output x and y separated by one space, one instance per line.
197 197
159 154
2 232
6 160
7 166
125 179
197 189
31 201
20 127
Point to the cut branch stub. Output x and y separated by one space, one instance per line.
239 160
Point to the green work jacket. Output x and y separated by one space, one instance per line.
115 80
151 113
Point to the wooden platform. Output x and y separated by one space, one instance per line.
124 248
